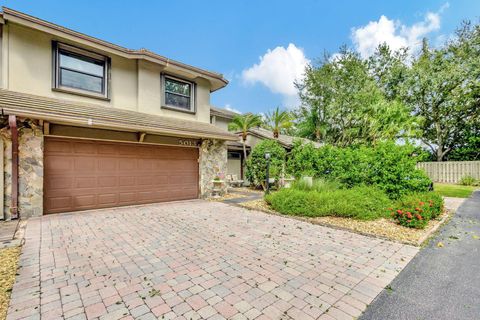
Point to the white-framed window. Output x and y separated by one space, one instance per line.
80 71
178 94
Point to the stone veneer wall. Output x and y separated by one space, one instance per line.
213 162
30 172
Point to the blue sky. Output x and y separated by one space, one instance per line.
260 46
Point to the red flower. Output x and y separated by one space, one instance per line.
419 217
399 211
409 215
422 203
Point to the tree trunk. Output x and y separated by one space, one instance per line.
244 150
439 154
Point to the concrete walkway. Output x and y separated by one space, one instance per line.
441 282
246 196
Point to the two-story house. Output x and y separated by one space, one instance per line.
88 124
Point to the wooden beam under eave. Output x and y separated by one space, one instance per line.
141 136
46 128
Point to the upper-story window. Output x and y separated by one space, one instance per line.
80 71
179 94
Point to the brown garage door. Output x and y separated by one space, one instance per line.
83 174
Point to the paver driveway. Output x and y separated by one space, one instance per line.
197 260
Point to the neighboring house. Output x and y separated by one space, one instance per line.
98 125
222 117
255 135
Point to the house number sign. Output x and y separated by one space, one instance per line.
188 142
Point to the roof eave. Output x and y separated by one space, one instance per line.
216 79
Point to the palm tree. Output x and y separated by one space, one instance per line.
242 123
278 121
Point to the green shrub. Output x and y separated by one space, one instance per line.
256 163
467 181
415 210
387 166
318 185
362 202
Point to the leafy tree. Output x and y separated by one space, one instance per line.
278 121
257 164
389 70
469 148
443 89
243 123
343 105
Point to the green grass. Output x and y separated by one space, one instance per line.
453 190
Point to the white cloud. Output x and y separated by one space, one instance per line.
397 35
278 69
230 108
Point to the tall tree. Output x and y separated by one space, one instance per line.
242 123
443 89
278 121
343 105
389 70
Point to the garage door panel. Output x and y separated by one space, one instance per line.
107 164
107 149
86 148
110 181
108 199
58 147
60 203
84 164
59 182
84 174
85 182
126 197
59 164
126 181
83 201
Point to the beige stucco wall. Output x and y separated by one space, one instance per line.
234 166
222 122
134 84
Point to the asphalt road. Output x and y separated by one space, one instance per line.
440 282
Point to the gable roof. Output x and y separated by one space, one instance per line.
99 116
224 113
216 79
283 139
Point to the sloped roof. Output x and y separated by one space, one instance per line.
283 139
221 112
217 80
100 116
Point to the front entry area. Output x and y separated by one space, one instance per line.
88 174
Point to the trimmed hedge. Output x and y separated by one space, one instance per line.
387 166
362 202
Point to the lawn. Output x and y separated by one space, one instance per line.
8 269
453 190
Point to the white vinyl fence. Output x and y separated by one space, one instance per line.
450 171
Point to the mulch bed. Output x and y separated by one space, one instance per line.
8 270
382 228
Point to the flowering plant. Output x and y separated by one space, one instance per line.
415 210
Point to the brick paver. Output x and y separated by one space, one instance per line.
197 260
